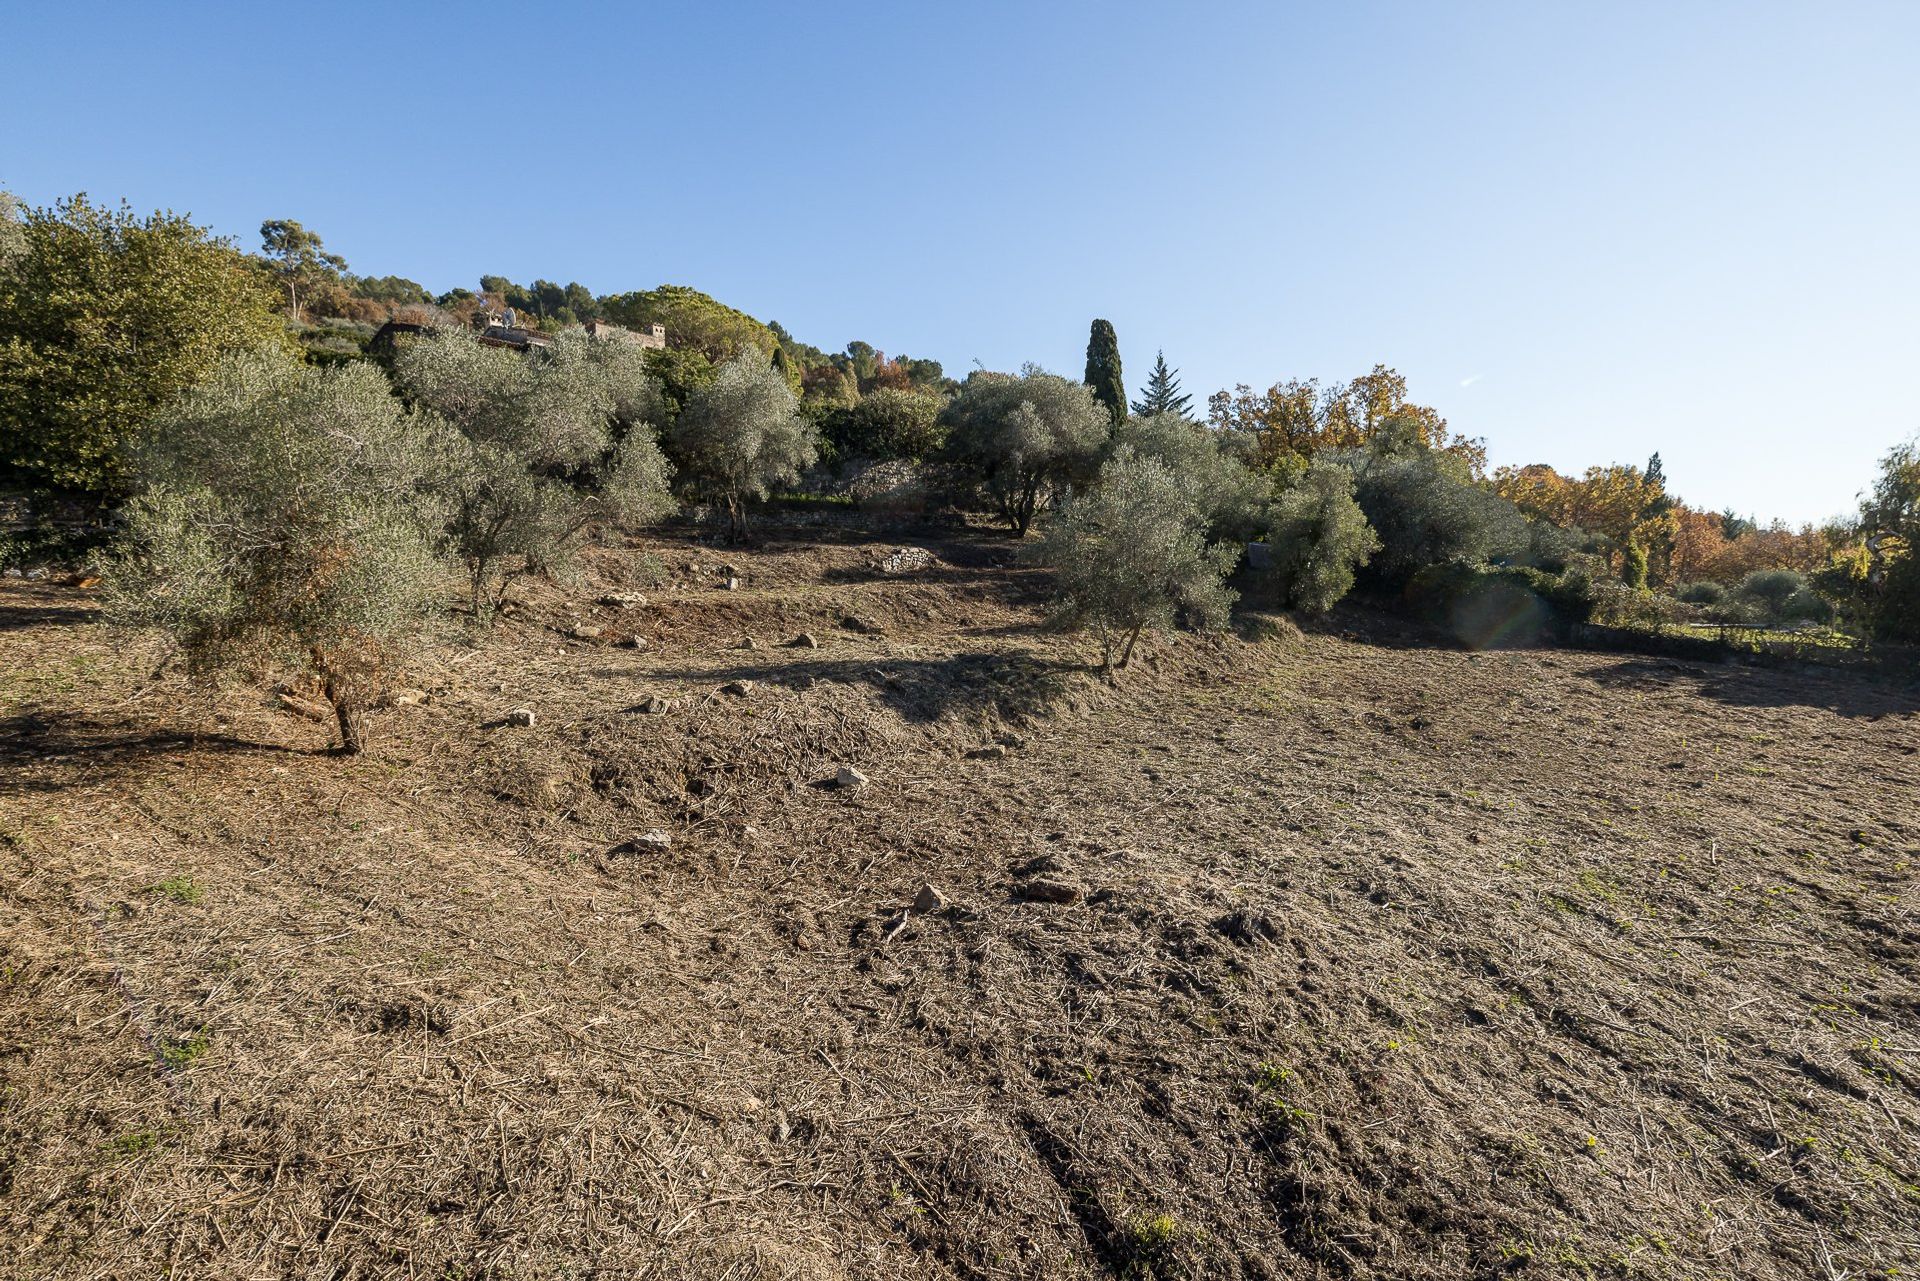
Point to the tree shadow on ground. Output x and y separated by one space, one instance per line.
921 691
40 753
17 615
1856 696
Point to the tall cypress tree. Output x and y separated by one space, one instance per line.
1103 370
1162 394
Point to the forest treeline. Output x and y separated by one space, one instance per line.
166 375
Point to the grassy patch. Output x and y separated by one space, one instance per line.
181 889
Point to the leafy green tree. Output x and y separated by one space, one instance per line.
1025 439
1320 538
1426 509
884 425
742 435
694 321
389 289
105 317
544 447
1131 553
1882 587
1224 490
1103 371
13 232
681 371
285 517
1162 394
298 258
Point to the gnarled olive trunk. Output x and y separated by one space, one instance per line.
349 709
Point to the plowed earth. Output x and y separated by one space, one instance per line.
1387 959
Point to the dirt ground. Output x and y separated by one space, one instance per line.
1383 958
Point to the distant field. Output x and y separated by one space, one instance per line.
1382 958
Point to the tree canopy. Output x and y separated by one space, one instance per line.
285 515
1130 553
1024 438
694 321
104 318
742 435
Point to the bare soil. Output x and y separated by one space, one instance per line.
1383 958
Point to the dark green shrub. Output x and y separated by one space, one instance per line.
1702 593
885 425
1773 588
1427 510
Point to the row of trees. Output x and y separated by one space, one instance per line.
524 455
293 513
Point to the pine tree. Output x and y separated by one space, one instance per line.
1103 370
1162 394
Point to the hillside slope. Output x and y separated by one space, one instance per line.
1387 960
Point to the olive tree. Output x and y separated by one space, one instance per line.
1131 553
1320 538
742 435
1229 495
1025 439
543 447
1426 510
284 515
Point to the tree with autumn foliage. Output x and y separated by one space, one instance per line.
1288 423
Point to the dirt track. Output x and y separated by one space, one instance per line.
1393 960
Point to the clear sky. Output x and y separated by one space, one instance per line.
1583 231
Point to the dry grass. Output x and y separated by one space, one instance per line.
1394 960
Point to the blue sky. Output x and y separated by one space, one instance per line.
1583 231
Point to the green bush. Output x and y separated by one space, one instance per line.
1427 510
885 425
286 517
1702 593
1231 497
1130 553
1320 538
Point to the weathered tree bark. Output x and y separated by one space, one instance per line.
348 708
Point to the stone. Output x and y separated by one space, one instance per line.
635 642
519 717
1047 890
805 640
733 584
584 632
991 752
849 778
623 600
906 560
929 899
656 706
650 842
739 689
